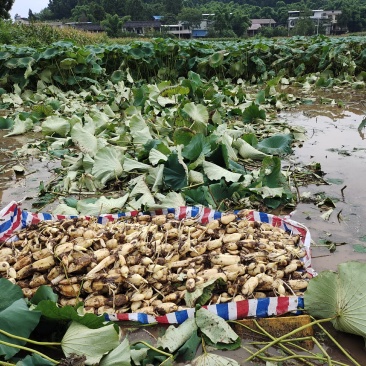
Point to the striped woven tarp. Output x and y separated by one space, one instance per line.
258 308
13 218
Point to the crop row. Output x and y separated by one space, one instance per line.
72 67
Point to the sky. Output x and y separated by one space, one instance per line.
22 7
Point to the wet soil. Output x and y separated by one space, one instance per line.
334 141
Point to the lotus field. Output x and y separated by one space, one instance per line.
169 123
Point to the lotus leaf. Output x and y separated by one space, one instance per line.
93 343
85 140
120 356
279 144
215 172
197 112
107 164
340 296
54 125
211 359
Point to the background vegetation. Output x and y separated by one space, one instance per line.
231 17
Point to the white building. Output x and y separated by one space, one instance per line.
321 18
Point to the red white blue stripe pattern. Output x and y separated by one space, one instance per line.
13 218
258 308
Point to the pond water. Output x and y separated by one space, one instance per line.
334 141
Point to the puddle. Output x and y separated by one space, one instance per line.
341 151
21 187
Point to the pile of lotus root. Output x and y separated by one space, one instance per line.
149 263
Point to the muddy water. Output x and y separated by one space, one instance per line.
339 147
21 186
333 141
336 143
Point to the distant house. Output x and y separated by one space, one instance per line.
257 24
324 18
18 19
180 30
201 30
141 26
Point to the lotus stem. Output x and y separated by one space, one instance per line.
27 340
203 345
338 345
286 336
246 327
2 363
29 350
324 352
288 350
169 355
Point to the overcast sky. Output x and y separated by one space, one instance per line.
22 7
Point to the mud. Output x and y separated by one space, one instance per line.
334 141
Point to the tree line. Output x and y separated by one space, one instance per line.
231 19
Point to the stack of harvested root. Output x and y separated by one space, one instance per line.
148 263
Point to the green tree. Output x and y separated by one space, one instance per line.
170 18
270 32
5 7
353 17
112 25
61 9
31 16
91 12
136 9
173 6
81 13
229 22
191 15
44 14
303 27
113 7
240 23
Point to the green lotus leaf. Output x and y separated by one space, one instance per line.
279 144
340 296
55 125
16 319
197 112
247 151
216 59
208 359
68 63
102 205
175 176
141 194
107 164
92 343
156 157
6 123
253 113
20 127
12 63
85 140
50 53
120 356
140 131
214 327
130 164
215 172
4 55
197 146
175 337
